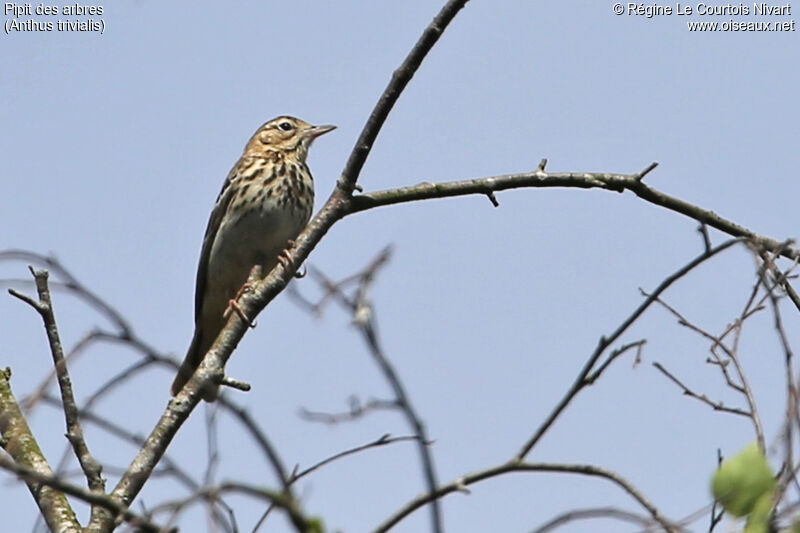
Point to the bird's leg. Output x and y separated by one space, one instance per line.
233 306
286 260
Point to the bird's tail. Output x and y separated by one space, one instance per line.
194 356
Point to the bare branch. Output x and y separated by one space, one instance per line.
717 406
364 320
404 400
652 166
591 378
596 512
581 380
702 229
20 444
381 441
516 466
743 385
167 463
357 410
781 279
243 415
89 464
301 521
125 335
716 516
40 480
400 79
581 180
71 282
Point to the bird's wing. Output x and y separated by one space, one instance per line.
217 214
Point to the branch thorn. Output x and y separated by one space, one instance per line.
640 176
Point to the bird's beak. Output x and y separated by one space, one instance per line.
316 131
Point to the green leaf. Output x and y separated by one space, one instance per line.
316 525
758 521
742 481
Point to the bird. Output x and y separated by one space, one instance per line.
265 202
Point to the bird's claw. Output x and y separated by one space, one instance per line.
284 258
233 306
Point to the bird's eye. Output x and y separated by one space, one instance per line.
285 126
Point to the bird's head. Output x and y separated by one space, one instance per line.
289 135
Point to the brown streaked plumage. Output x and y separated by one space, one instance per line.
265 202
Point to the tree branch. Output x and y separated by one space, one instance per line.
717 406
580 180
587 514
89 464
67 522
383 440
18 441
581 381
391 93
460 484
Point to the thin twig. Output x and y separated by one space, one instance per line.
167 463
357 410
591 378
581 381
413 418
391 93
716 517
89 464
593 513
702 229
364 320
791 391
459 484
381 441
95 499
279 499
73 284
743 386
717 406
270 452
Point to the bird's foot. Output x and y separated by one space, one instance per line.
286 260
234 307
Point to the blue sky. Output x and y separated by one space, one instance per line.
114 147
